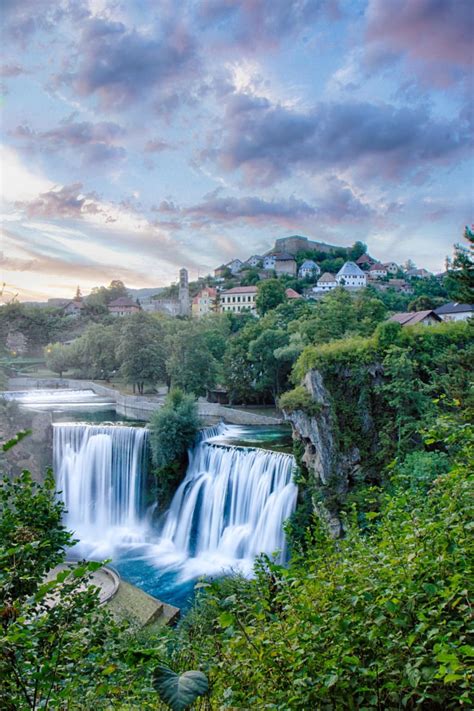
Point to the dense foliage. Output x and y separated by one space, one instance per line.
173 429
379 620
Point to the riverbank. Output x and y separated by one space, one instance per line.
141 408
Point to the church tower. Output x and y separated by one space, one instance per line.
184 303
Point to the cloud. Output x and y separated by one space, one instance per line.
254 25
267 141
10 71
156 146
67 201
434 36
23 18
337 203
95 142
121 65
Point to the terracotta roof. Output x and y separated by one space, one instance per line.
241 290
292 294
413 317
210 290
365 259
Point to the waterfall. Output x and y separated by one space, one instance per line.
230 507
100 474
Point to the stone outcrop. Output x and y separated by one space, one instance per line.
34 452
328 468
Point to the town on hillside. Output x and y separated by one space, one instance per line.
308 270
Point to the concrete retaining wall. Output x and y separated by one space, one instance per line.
141 408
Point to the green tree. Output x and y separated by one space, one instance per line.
55 640
173 430
57 357
270 294
460 279
270 372
190 363
141 351
356 251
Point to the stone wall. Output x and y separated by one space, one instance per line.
142 408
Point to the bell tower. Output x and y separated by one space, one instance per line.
184 304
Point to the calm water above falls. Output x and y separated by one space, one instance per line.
230 506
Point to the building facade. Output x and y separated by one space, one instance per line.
204 302
455 311
124 306
309 269
351 276
240 299
285 263
325 283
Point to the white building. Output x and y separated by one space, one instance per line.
269 261
235 266
377 271
254 261
309 269
325 283
239 299
455 312
391 267
351 276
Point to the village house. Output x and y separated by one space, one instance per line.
124 306
325 283
377 271
418 274
365 261
73 308
285 263
351 276
235 266
269 261
309 269
399 285
254 261
220 272
413 318
239 299
204 302
391 267
455 311
292 294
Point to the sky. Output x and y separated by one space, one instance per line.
139 137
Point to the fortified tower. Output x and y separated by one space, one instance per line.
184 303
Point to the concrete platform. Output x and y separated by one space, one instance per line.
125 601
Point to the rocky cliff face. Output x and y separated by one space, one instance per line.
328 468
35 452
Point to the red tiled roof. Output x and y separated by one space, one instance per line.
292 294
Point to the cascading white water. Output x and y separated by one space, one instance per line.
100 474
230 507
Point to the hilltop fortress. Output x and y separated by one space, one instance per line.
295 244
